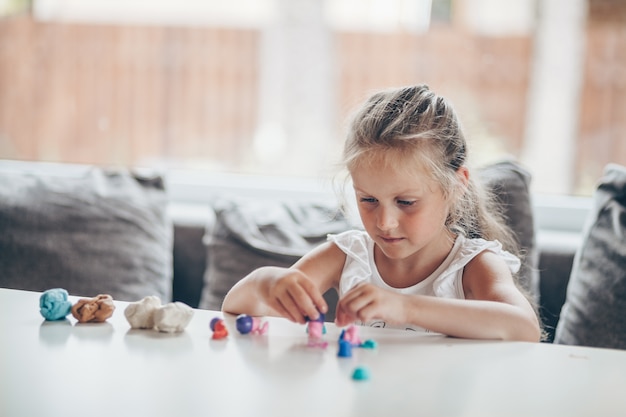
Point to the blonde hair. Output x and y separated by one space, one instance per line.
413 124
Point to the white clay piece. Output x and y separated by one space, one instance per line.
172 317
140 315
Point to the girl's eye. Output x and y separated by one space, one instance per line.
405 202
368 200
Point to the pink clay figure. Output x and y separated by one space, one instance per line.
259 326
351 334
315 328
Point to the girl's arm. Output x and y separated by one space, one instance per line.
294 292
493 309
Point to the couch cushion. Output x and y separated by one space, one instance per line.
594 313
250 233
84 229
510 184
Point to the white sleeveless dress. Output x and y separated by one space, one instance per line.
446 281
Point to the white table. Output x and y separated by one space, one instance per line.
70 369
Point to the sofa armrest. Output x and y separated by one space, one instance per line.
190 254
556 256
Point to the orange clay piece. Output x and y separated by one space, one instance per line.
93 310
220 331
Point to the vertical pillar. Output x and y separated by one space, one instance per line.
296 104
554 95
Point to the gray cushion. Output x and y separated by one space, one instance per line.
510 183
248 234
85 230
594 313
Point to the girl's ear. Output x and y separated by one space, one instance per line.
463 175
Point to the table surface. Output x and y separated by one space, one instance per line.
67 368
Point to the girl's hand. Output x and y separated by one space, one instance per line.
367 302
293 295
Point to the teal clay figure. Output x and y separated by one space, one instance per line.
369 344
361 373
54 304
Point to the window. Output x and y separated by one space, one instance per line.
265 86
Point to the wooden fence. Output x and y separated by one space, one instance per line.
126 95
116 94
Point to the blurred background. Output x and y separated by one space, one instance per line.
264 87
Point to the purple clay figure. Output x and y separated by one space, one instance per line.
247 324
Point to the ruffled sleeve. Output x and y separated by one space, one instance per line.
357 268
449 284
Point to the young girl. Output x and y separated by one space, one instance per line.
430 257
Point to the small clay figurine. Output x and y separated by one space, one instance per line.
316 330
345 349
219 329
351 335
248 324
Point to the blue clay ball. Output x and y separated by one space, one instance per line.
244 323
54 304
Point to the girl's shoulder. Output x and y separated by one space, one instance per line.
449 283
468 249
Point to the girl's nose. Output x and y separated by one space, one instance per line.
386 219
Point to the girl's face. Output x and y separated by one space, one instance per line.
404 214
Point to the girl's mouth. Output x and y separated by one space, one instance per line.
388 239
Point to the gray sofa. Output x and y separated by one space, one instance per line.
555 254
93 231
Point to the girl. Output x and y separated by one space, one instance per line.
431 255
